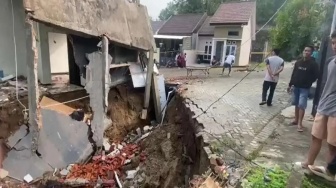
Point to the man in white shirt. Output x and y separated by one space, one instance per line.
229 61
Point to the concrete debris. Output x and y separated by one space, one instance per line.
28 178
131 174
147 128
64 172
29 164
138 131
76 181
3 173
3 97
62 141
106 144
17 136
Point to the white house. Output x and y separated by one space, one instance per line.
229 31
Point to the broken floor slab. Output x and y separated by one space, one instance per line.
20 163
63 141
17 136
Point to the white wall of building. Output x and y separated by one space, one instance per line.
245 49
58 49
7 52
202 42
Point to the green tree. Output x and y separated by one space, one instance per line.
297 25
266 9
170 10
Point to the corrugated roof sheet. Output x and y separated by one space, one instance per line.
206 28
234 13
183 24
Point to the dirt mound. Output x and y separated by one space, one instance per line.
125 105
11 117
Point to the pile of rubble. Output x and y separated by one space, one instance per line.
106 169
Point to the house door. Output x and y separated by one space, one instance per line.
219 50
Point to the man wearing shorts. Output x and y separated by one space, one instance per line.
324 126
304 75
229 61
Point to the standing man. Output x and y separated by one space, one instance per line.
304 75
229 61
275 66
324 126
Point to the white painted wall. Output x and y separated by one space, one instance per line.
58 49
245 49
202 42
7 53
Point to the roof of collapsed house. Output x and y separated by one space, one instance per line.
121 21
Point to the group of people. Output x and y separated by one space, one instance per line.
180 60
305 73
228 62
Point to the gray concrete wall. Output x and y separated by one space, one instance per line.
7 52
121 21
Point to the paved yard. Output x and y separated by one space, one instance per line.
236 115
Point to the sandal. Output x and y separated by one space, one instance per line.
300 130
321 172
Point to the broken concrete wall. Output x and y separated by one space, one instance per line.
7 52
123 22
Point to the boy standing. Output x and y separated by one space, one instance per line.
275 66
305 73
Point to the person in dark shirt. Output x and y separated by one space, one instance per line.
305 73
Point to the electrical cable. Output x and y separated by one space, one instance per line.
16 61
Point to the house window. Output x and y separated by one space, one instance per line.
233 33
207 51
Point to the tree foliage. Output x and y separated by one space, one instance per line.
297 25
265 8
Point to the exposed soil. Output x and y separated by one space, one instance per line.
125 105
167 162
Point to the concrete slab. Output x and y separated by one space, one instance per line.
24 143
15 138
21 163
63 141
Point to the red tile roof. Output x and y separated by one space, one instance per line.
234 13
183 24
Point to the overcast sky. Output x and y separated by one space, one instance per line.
155 6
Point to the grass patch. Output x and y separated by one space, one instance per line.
266 178
315 182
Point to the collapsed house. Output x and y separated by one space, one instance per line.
106 39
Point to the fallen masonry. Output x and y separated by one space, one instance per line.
136 153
